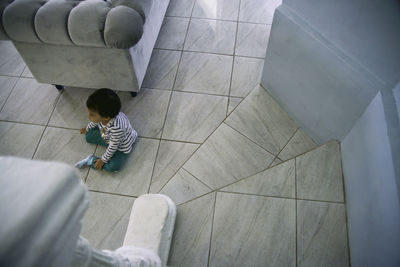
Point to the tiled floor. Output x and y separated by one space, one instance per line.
252 188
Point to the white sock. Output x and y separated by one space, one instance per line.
86 161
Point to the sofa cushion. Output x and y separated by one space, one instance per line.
124 27
50 21
99 23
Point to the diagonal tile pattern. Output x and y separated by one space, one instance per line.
252 188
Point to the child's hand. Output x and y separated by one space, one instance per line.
83 131
98 164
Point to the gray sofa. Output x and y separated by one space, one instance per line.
84 43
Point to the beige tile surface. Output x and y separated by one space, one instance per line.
204 73
6 86
264 236
30 102
180 8
19 139
260 118
321 234
225 157
172 34
319 174
191 239
252 40
213 36
183 187
193 117
106 220
146 111
170 158
246 75
233 103
64 145
11 63
297 145
216 9
278 181
258 11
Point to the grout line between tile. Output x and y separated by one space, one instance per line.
212 229
295 191
109 193
201 52
169 103
197 178
12 89
276 157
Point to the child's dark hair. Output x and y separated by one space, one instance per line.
105 102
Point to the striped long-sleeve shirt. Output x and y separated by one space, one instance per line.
118 134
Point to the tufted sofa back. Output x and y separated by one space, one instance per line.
98 23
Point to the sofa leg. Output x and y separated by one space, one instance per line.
59 87
133 94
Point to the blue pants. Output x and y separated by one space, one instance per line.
116 162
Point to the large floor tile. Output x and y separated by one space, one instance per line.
213 36
260 118
204 73
64 145
278 181
19 139
321 234
191 239
71 111
162 69
106 220
30 102
171 156
246 75
180 8
6 86
233 103
263 235
134 178
252 40
172 34
299 144
146 111
216 9
27 73
193 117
258 11
226 157
11 63
319 174
183 187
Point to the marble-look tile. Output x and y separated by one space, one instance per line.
134 178
6 86
278 181
64 145
71 111
171 156
299 144
246 75
193 117
261 119
275 162
106 220
258 11
252 40
216 9
162 69
225 157
191 239
213 36
180 8
172 33
184 187
319 174
146 111
11 63
321 234
30 102
19 139
233 103
204 73
253 231
27 73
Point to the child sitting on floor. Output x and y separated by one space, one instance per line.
107 127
